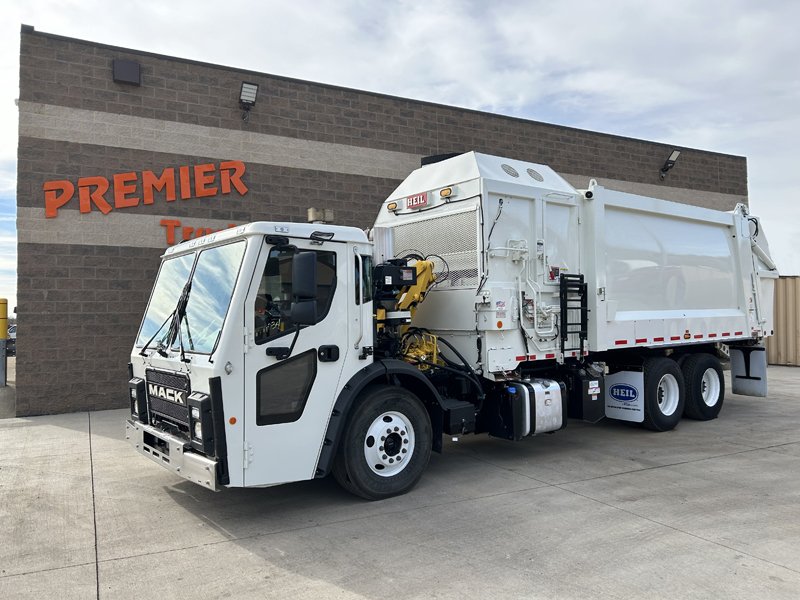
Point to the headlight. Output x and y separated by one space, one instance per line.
201 425
138 399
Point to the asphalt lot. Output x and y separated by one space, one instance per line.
595 511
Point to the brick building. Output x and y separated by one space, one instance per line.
111 171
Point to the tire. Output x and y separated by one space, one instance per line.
386 444
664 394
705 387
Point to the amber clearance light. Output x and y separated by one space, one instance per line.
391 206
446 192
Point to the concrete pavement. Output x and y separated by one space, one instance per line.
594 511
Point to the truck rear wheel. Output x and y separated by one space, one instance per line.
664 392
705 387
386 444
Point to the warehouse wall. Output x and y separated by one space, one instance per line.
84 277
783 348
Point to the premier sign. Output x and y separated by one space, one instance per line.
127 190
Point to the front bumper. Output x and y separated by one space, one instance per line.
172 453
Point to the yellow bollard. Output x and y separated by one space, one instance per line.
3 318
3 342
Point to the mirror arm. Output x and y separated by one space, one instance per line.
282 352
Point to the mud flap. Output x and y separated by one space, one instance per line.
749 371
625 396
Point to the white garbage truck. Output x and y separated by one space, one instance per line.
489 297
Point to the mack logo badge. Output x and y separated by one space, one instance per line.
417 201
165 393
623 392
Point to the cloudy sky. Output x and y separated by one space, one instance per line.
715 75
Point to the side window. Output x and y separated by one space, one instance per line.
365 278
272 310
282 389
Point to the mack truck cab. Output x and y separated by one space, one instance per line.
254 342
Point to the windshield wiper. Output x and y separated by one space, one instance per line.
178 315
160 345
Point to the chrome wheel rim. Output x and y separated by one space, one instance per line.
389 444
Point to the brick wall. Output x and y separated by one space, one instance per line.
84 280
80 308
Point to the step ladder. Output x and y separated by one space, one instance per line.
574 313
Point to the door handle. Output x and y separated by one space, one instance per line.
328 353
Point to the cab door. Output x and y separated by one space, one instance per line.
289 394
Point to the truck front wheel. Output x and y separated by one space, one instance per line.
386 444
705 386
663 394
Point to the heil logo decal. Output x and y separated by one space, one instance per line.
623 392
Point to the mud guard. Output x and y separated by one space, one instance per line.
381 371
749 370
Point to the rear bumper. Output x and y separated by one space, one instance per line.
172 453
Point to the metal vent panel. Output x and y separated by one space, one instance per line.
535 175
453 237
510 170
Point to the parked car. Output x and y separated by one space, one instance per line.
11 343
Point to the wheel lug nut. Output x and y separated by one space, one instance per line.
380 449
397 429
391 460
384 457
404 450
383 437
388 431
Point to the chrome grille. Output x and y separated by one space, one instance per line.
170 410
454 237
173 380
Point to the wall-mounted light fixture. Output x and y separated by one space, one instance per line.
247 98
669 163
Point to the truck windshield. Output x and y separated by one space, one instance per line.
213 275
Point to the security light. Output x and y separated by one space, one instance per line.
247 98
669 163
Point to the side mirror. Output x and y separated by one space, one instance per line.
304 276
304 288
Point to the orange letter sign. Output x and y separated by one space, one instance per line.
56 195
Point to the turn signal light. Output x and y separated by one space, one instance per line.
391 206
